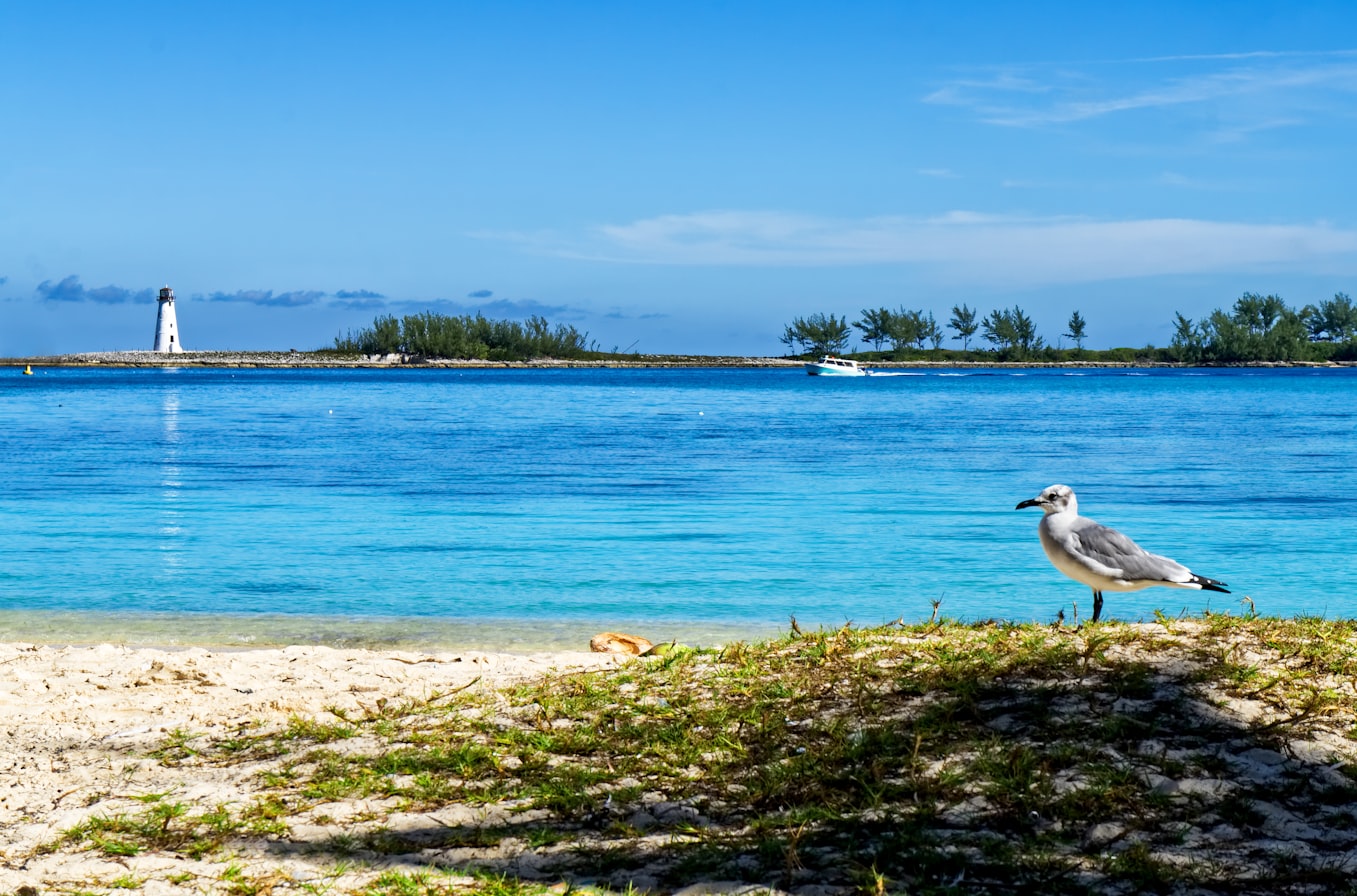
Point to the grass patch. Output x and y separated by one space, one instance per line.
933 758
175 827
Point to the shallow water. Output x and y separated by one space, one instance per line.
522 507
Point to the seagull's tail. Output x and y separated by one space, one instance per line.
1206 584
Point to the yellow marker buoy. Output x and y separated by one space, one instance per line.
28 370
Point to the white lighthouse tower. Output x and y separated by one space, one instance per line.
166 327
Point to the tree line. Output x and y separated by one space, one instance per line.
1257 328
467 337
1265 328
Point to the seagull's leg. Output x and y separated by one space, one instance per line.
1097 605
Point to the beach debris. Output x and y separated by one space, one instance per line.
616 642
662 648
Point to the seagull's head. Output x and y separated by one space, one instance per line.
1053 499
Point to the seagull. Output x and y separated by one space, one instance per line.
1103 558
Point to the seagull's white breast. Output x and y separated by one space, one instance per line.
1060 545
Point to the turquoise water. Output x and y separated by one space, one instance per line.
527 508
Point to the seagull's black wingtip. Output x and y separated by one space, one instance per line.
1211 585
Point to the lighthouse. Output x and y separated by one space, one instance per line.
166 328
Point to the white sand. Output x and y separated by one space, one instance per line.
77 723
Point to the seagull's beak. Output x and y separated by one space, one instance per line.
1030 502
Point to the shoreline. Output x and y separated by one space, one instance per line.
275 631
312 360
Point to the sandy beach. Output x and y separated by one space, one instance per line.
77 724
1199 755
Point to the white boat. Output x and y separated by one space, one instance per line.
831 366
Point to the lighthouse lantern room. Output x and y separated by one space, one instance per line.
166 327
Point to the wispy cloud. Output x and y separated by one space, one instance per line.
370 304
1240 131
358 300
70 289
513 309
1027 183
527 308
1184 182
961 91
619 314
964 246
267 297
1035 96
1250 54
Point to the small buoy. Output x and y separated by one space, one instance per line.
28 370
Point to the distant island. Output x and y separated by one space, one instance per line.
1259 330
329 358
338 359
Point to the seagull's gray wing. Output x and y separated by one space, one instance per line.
1121 557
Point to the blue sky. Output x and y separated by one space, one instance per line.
667 177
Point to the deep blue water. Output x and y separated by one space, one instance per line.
522 506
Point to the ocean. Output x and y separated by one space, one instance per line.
528 509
